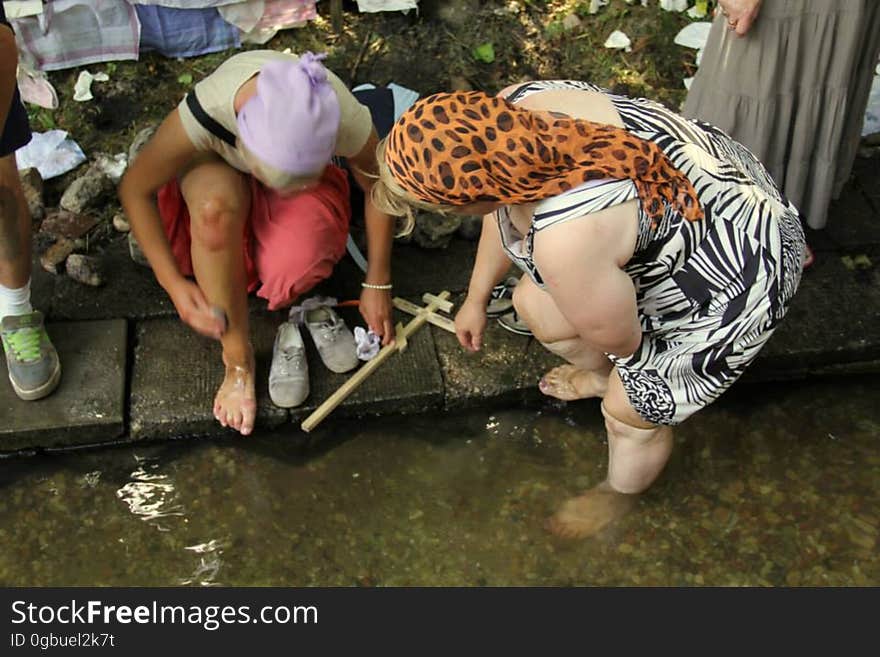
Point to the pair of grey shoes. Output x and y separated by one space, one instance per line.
32 362
289 373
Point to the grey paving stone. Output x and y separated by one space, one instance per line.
176 375
834 319
89 404
853 222
415 271
508 368
409 382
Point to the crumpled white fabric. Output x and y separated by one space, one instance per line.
82 89
674 5
694 35
52 153
369 6
113 165
368 343
618 40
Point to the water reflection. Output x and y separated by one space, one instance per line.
150 494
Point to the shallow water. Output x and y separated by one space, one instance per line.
775 485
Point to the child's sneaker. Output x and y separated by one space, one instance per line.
333 339
34 368
289 372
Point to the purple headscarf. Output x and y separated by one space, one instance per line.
292 121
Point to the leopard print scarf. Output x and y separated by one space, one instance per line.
465 147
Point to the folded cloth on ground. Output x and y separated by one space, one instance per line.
78 32
185 32
260 20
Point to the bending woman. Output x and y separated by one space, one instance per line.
248 200
659 254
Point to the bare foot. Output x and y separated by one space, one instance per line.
568 383
588 514
235 404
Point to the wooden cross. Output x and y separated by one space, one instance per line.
422 314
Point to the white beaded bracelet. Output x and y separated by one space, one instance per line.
376 287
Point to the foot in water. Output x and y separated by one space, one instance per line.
568 383
588 514
235 404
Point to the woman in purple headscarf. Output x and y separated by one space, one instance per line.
237 189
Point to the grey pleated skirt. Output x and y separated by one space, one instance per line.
794 91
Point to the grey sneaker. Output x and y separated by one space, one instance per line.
333 339
289 372
34 368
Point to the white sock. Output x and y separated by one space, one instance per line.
15 301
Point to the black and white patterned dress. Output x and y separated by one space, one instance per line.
709 293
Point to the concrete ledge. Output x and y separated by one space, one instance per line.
409 382
89 404
176 375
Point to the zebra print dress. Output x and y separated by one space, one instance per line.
709 293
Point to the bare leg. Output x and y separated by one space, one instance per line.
587 375
218 198
637 454
15 228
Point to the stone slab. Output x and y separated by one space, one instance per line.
89 404
176 375
508 367
866 171
853 222
409 382
834 320
414 270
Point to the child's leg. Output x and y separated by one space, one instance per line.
587 376
637 454
218 199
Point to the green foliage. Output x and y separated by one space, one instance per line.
485 53
41 119
185 78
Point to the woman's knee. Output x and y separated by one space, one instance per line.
216 222
617 406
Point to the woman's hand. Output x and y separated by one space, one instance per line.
376 307
195 311
740 14
470 323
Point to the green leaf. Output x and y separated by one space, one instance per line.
185 78
485 53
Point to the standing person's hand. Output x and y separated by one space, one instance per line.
740 14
